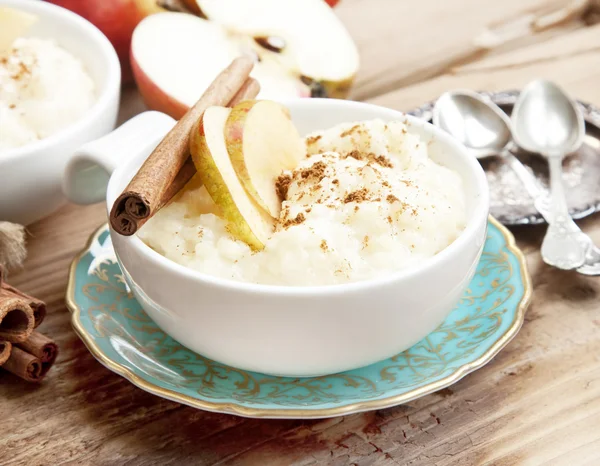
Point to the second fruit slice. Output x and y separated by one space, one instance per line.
246 221
262 142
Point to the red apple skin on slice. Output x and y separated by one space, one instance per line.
262 142
154 97
246 220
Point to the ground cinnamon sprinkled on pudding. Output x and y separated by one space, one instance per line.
294 221
312 139
391 198
359 195
348 132
356 208
365 241
371 157
355 155
383 161
324 246
336 181
389 219
282 183
317 171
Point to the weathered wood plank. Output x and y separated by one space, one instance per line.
537 402
572 60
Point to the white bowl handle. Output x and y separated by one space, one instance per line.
87 173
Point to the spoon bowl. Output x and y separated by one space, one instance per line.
546 120
480 126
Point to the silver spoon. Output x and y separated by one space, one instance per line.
484 129
546 121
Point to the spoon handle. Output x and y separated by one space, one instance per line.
565 246
541 200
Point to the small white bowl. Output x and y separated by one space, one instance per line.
282 330
31 175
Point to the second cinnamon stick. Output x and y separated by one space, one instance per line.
24 365
40 346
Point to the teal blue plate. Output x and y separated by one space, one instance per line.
122 337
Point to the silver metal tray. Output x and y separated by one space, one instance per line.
509 202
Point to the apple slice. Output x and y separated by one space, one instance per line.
262 142
247 221
13 24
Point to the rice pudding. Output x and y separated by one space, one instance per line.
367 200
43 89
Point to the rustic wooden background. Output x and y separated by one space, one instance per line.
538 402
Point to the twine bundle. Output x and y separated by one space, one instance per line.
12 245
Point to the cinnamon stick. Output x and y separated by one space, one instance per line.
148 190
5 349
24 365
37 306
41 347
16 318
249 90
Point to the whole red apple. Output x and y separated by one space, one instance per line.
116 19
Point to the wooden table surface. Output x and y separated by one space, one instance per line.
537 402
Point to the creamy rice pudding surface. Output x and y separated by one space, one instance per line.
365 202
43 88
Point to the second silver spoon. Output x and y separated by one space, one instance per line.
546 121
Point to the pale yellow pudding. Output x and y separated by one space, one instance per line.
366 201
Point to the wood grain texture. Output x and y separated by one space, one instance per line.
537 402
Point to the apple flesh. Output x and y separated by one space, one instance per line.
175 57
301 50
246 220
262 142
116 19
311 41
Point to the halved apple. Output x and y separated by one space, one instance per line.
13 24
262 142
247 221
304 37
301 49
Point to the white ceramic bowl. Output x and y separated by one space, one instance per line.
292 331
31 175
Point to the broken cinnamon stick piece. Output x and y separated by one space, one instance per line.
16 318
40 346
5 349
24 365
147 192
249 90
